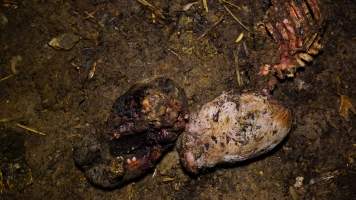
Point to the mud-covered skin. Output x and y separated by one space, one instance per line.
144 123
232 128
295 26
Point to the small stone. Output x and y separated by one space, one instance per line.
298 181
65 41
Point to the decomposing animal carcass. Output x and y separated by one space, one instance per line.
143 125
295 26
231 128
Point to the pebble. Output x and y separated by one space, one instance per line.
65 41
298 181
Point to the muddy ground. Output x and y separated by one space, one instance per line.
58 93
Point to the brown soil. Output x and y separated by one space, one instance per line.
50 92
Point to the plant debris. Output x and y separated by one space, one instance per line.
156 11
236 18
30 129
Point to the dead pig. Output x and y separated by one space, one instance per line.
232 128
143 125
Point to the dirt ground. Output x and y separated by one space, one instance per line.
65 94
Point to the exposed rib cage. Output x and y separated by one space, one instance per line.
295 26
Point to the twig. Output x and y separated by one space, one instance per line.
175 53
154 9
245 48
205 4
6 77
90 15
146 3
237 68
231 4
30 129
235 18
209 29
189 5
168 179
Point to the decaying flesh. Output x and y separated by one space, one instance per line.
295 26
144 123
232 128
